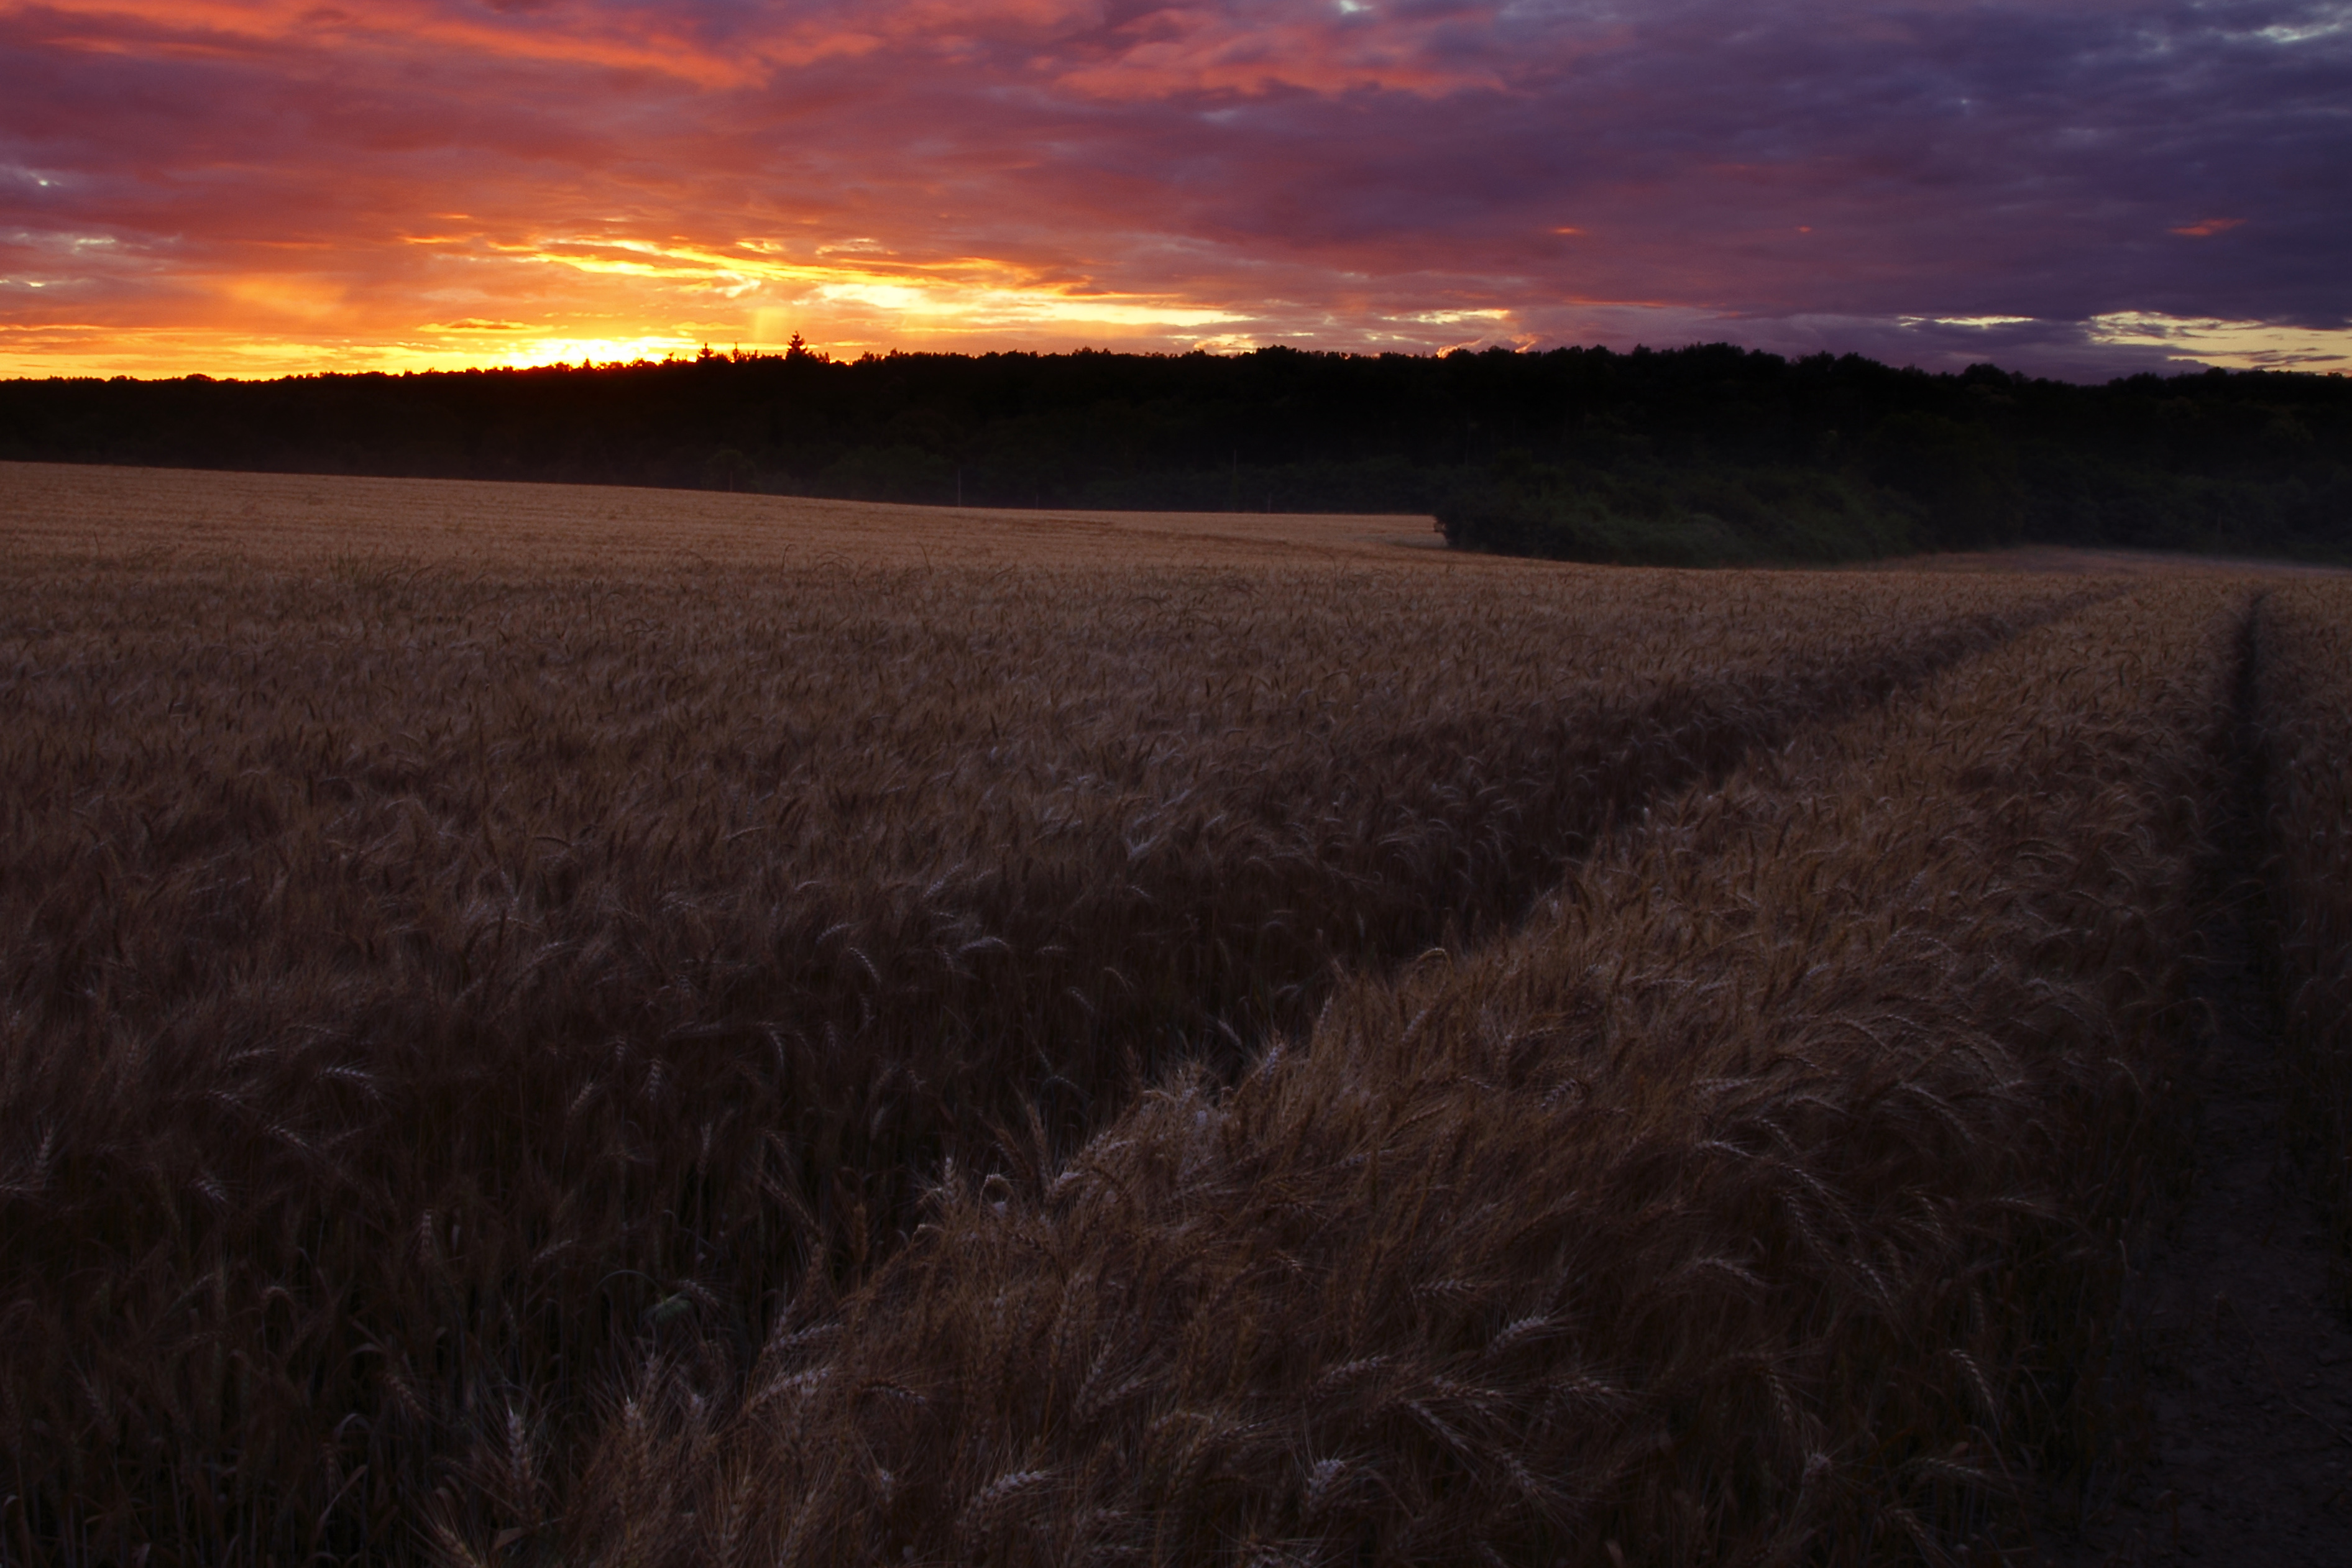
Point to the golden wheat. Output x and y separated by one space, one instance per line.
438 975
64 511
1757 1202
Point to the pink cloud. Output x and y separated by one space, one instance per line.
296 184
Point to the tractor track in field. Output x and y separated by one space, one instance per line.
2236 1361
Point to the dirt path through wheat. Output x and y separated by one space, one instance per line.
2244 1369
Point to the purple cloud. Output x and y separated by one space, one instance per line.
2078 188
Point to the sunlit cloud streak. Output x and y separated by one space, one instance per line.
2083 188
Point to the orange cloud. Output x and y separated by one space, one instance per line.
249 187
410 28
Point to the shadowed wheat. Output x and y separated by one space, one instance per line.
2304 714
427 992
1757 1202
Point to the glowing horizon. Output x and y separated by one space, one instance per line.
249 187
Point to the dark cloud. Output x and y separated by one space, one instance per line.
2068 187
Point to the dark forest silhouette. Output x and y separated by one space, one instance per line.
1709 453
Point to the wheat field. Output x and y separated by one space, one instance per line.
568 1025
2307 673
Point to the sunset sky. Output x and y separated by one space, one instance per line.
2076 187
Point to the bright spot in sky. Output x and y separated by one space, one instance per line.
2285 32
597 350
517 180
2238 345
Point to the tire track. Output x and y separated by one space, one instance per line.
2235 1383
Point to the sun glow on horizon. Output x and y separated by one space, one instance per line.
264 187
2231 345
605 299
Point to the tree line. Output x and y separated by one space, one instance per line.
1709 453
